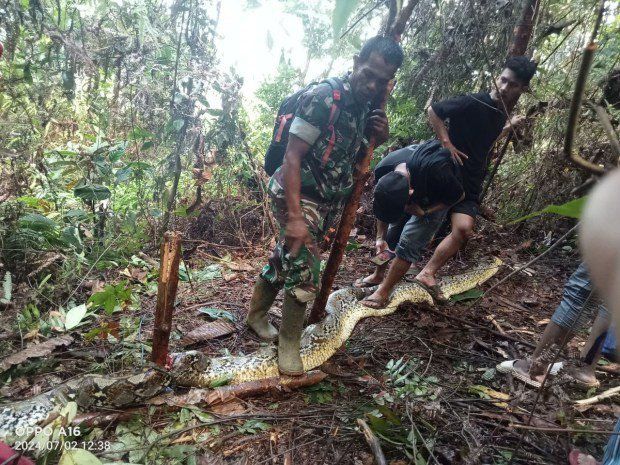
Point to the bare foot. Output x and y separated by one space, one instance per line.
584 375
376 300
369 281
426 278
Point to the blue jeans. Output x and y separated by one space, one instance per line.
416 233
612 450
578 305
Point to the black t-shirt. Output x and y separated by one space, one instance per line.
475 122
432 173
392 160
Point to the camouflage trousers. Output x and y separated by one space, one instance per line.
298 275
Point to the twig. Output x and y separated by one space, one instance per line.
373 442
475 325
575 105
531 262
603 395
561 430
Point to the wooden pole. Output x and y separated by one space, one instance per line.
360 177
347 220
166 293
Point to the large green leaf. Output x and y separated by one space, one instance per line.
92 192
75 316
78 457
36 222
342 12
571 209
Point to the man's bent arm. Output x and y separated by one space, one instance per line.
442 135
438 127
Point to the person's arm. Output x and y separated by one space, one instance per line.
380 243
414 209
378 127
511 124
296 232
441 131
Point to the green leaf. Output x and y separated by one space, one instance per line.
571 209
177 124
221 381
216 313
7 288
115 154
467 295
123 174
147 145
139 133
214 111
92 192
74 316
342 12
111 296
36 222
78 457
206 274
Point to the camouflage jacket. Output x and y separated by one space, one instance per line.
330 182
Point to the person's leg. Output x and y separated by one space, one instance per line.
393 235
415 236
462 229
301 284
583 371
576 307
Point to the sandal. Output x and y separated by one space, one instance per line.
361 283
508 366
435 291
377 304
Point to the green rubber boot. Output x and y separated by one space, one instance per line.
263 297
289 359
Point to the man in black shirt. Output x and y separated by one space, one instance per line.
475 122
413 188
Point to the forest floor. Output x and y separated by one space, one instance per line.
423 381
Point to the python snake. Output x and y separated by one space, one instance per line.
194 369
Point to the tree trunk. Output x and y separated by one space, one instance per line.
166 294
524 28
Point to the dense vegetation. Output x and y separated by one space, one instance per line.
118 122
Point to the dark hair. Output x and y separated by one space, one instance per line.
391 52
523 67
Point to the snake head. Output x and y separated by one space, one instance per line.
191 360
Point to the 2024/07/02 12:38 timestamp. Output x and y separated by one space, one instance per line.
57 445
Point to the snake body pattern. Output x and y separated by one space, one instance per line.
194 369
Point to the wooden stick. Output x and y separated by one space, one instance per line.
561 430
166 293
251 388
373 442
603 395
475 325
360 177
344 227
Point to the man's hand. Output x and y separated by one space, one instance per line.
517 120
457 155
380 246
414 209
296 234
378 126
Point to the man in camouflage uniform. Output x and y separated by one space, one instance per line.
310 188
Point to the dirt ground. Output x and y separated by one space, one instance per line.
451 401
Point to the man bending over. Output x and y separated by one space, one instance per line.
475 122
